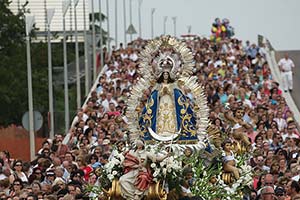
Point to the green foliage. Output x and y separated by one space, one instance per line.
92 189
208 183
13 82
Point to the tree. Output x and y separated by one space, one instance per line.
13 68
13 80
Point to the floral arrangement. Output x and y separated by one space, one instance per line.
210 186
207 176
171 166
113 169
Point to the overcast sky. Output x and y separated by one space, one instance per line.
278 20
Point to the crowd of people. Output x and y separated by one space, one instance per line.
235 76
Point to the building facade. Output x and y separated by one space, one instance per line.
38 8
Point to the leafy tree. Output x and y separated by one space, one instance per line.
13 70
13 74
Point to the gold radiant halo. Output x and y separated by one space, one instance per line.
153 47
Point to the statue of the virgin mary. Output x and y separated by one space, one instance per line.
169 114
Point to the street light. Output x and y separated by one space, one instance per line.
78 92
189 29
140 19
130 16
50 14
101 35
29 20
116 23
94 43
125 26
152 25
174 22
165 21
108 32
86 67
65 7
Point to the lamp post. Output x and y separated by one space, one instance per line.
86 67
130 16
94 43
65 7
101 35
140 19
108 31
78 89
174 22
189 29
29 20
116 23
50 14
165 22
152 25
124 16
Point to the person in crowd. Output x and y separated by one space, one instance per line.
18 172
233 76
286 66
293 189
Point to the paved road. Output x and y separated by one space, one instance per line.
295 56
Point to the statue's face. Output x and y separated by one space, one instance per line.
166 75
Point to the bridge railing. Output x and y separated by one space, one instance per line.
276 74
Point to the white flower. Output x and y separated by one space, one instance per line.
121 157
153 165
169 169
162 163
155 174
110 177
164 171
114 173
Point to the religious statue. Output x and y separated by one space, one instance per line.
168 110
229 163
176 108
239 126
137 174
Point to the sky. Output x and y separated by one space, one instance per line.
277 20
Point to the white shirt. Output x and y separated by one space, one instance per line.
286 64
280 122
133 57
106 102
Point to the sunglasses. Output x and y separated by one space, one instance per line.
18 165
17 184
